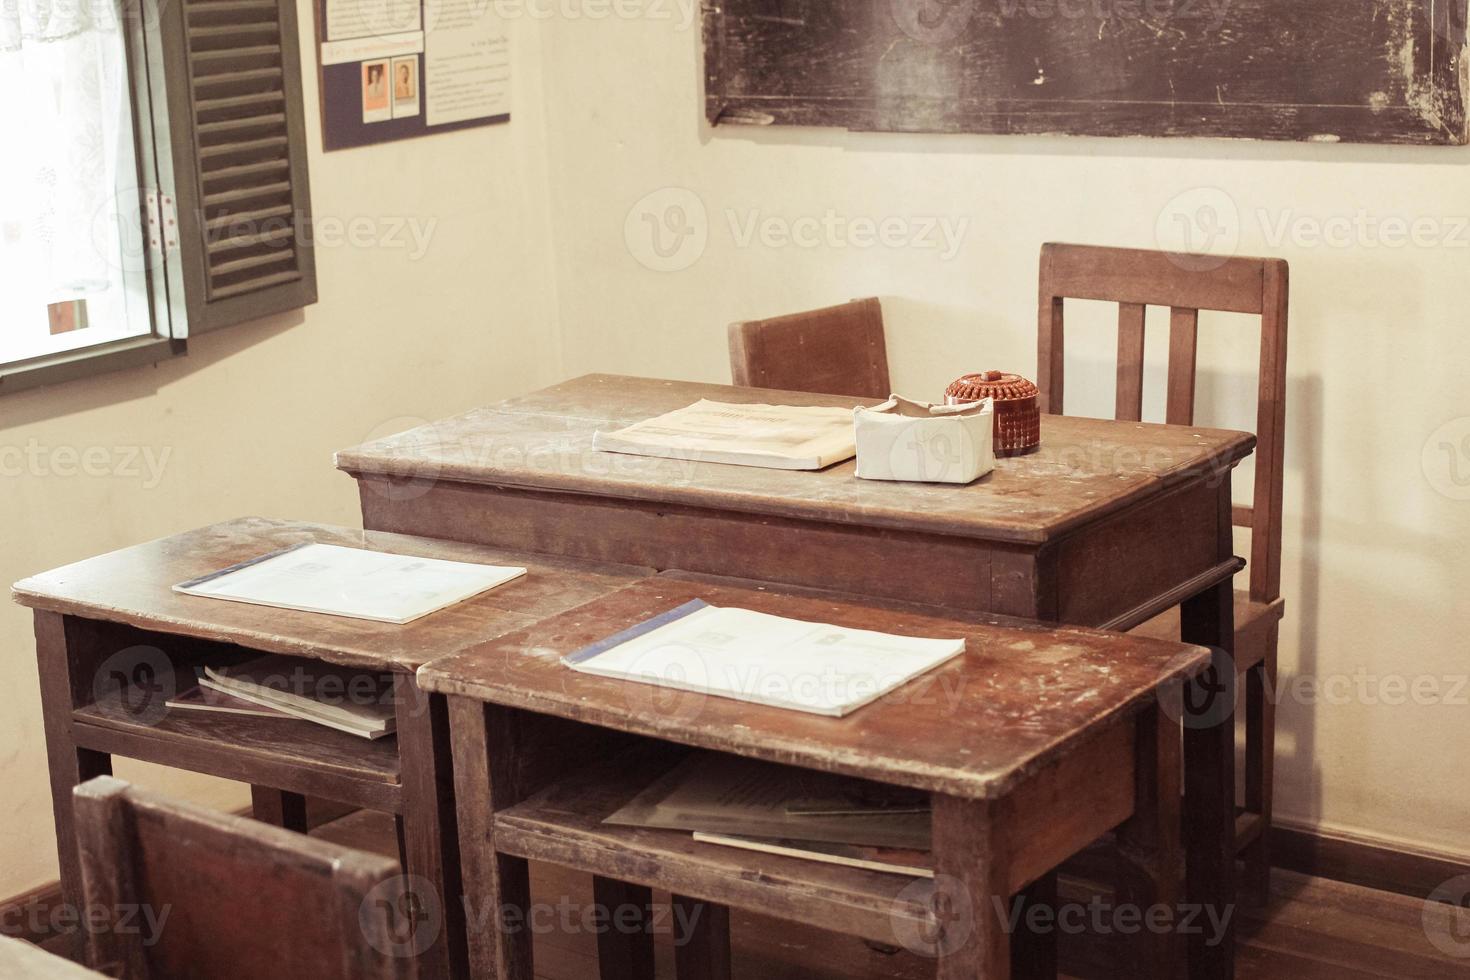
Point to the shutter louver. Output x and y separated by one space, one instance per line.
242 192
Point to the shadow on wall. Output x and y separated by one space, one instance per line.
128 384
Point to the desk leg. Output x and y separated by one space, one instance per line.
1034 952
69 766
625 946
430 834
703 952
1209 785
971 895
279 808
497 887
1149 851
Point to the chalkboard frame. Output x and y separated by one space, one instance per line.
747 82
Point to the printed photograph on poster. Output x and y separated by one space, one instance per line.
376 106
405 87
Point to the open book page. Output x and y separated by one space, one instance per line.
352 582
773 436
727 794
753 656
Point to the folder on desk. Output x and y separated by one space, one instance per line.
781 437
752 656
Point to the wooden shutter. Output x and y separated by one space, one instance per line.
240 193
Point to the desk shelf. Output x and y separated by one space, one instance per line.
297 756
563 825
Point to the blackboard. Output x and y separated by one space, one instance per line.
1374 71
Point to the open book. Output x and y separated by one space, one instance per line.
352 582
774 436
771 660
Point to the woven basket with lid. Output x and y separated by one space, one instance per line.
1017 413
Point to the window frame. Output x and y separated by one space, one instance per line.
136 22
176 296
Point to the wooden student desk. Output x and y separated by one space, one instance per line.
1107 525
1034 743
116 617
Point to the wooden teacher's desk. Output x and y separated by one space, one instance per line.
1034 743
1106 525
114 642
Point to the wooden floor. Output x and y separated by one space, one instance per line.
1314 929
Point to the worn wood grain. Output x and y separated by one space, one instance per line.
1132 277
1378 71
92 610
1029 691
1313 929
239 893
838 350
543 442
134 586
563 825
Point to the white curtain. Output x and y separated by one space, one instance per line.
63 112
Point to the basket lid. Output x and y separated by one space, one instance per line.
991 384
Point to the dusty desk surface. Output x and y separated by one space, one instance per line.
1015 700
544 441
134 586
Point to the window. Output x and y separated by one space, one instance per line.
154 182
64 274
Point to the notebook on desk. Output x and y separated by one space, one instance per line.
751 656
351 582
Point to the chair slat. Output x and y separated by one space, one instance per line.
1183 345
1130 361
1270 437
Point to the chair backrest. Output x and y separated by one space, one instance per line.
225 897
1136 279
834 351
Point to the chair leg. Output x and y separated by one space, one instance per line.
1260 755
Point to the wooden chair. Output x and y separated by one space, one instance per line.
1136 279
242 899
834 351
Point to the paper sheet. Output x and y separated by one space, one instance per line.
352 582
466 62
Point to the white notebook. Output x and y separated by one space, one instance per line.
752 656
338 581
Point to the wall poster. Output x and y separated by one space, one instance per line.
395 69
